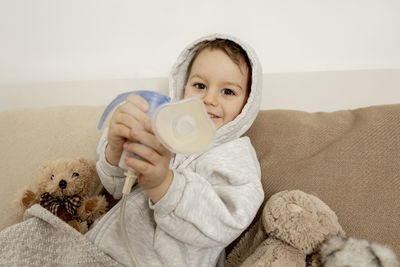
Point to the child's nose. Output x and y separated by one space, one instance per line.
210 98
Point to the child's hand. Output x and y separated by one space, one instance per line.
126 117
155 175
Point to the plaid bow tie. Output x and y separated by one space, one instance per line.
52 203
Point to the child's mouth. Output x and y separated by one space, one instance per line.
213 116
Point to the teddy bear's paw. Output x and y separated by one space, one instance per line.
97 203
275 253
28 198
79 226
93 208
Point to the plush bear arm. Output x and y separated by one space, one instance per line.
29 198
79 226
23 200
275 253
247 245
92 208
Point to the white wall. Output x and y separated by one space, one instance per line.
307 91
45 41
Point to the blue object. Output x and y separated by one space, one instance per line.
155 100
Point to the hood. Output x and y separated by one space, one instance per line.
244 120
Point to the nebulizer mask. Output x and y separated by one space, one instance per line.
182 127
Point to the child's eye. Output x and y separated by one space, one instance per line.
227 91
200 86
75 174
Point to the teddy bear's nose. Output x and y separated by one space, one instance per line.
62 184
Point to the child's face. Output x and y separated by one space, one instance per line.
220 84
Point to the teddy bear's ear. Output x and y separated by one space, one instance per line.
89 163
45 166
44 173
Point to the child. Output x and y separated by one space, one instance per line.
187 209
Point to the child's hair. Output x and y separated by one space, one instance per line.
230 48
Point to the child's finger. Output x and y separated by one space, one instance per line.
144 152
138 164
156 144
138 101
148 126
119 130
126 120
133 111
149 140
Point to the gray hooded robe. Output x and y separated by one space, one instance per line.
212 199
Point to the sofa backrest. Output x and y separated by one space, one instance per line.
349 159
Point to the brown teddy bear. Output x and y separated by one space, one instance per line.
293 226
65 188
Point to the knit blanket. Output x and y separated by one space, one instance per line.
43 239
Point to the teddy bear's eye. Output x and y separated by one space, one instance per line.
75 174
52 176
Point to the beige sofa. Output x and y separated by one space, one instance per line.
349 159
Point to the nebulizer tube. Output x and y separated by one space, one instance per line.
182 127
129 181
